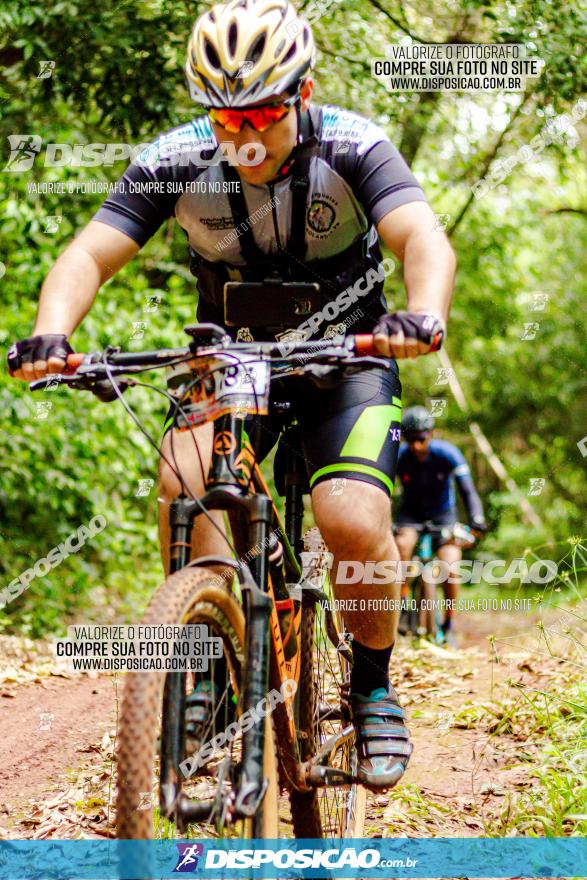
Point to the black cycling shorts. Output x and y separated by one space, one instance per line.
444 518
350 431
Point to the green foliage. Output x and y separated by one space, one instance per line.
555 804
118 76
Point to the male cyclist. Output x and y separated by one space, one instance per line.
428 469
329 185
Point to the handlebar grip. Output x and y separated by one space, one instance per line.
365 345
73 361
436 342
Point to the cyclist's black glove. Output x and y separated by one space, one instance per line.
38 348
426 328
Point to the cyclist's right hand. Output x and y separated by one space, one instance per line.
35 357
478 527
408 334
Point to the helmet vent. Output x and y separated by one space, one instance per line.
290 53
211 55
232 38
306 35
258 48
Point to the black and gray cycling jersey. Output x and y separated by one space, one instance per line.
355 177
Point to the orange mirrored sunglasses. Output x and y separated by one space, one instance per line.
261 118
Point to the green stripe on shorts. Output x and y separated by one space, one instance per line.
352 467
368 434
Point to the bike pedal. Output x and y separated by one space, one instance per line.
318 776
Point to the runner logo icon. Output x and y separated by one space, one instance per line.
189 854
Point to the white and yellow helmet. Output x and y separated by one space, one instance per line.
246 52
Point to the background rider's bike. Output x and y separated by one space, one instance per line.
421 618
272 719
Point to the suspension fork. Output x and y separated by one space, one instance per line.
226 446
254 685
255 676
181 519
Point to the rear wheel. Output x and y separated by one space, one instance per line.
322 706
192 595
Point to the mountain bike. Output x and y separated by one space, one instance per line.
272 616
421 617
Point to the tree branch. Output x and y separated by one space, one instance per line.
487 163
416 125
401 26
567 210
355 61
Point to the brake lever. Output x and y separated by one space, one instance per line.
100 386
53 380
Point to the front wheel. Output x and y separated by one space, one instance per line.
190 596
425 594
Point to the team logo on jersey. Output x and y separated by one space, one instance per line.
244 335
320 216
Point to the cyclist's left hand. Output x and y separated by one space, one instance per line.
409 334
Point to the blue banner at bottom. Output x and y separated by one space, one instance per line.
231 859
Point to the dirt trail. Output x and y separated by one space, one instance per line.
45 731
57 739
56 734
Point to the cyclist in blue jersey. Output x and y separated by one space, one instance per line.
329 188
428 470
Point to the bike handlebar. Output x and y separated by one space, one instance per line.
81 369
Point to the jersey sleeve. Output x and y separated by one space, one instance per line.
363 155
139 204
466 485
382 179
456 459
150 187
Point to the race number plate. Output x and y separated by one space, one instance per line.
237 384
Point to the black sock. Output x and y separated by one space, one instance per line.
370 668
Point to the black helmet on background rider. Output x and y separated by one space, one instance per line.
417 420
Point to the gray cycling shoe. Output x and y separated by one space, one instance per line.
446 638
383 740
